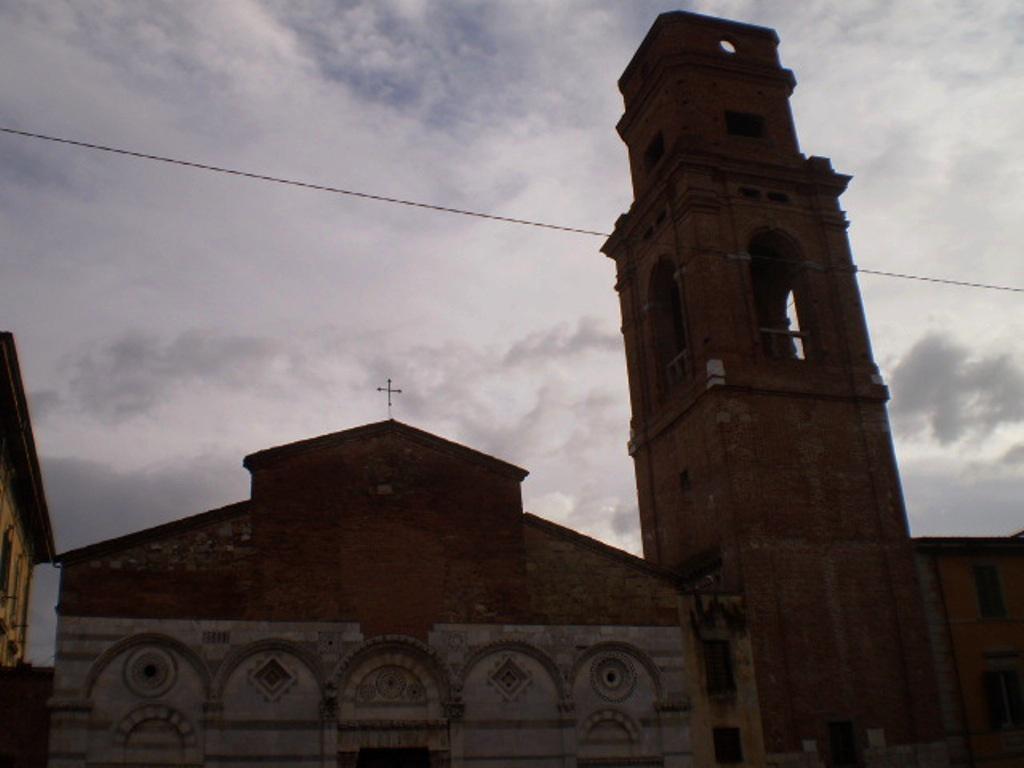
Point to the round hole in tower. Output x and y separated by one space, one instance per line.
727 45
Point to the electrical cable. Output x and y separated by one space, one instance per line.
302 184
439 208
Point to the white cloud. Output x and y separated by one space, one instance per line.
229 315
941 387
133 374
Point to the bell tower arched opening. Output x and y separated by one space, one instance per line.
668 325
775 274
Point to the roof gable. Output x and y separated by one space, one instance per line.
268 457
601 549
574 579
156 533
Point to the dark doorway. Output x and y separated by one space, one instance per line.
393 758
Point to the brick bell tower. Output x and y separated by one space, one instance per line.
761 442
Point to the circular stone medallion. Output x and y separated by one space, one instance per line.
150 672
612 676
391 682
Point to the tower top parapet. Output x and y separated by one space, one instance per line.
704 85
682 32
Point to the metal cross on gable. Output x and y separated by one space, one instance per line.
390 392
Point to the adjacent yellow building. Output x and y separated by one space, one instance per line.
974 590
25 534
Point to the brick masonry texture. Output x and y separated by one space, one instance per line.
387 531
577 580
24 724
199 566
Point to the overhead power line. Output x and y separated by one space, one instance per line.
432 207
302 184
942 281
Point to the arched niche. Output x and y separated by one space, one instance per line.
617 689
149 664
508 675
271 679
146 677
392 693
156 735
609 734
514 694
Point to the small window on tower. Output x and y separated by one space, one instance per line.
718 666
842 744
654 152
668 324
744 124
728 745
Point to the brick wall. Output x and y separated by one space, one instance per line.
200 567
396 534
396 530
576 580
24 717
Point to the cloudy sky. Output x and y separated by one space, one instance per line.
171 320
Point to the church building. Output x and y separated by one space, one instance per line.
383 600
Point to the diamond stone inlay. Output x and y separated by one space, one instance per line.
509 678
272 679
